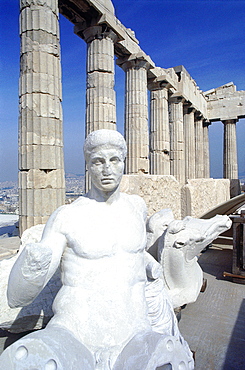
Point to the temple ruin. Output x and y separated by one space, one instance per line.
173 154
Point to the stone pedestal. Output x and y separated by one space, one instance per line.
136 116
177 157
199 147
189 139
41 177
206 157
159 132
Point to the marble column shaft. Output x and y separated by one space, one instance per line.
177 157
199 149
41 164
189 139
159 133
230 150
136 116
206 156
100 94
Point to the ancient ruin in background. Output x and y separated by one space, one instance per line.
171 159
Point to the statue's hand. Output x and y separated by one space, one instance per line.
153 268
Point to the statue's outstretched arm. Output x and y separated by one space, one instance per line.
35 266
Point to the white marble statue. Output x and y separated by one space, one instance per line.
112 311
177 244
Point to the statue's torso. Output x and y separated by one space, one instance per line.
103 272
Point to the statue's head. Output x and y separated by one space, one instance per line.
105 151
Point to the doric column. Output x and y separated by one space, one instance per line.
136 116
230 150
206 157
100 94
177 157
199 155
159 130
41 176
189 139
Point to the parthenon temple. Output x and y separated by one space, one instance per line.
168 146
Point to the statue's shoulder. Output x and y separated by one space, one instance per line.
137 202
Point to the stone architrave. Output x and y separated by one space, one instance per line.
177 157
189 139
199 148
41 176
136 115
100 94
206 157
159 131
230 150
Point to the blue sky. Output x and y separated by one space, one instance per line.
207 37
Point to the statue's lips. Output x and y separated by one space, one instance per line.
107 180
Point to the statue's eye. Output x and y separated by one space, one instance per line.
114 160
97 161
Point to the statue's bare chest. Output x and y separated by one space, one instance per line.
100 231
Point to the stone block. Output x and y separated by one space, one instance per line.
39 18
200 195
40 202
159 192
46 157
44 105
39 130
40 83
39 179
40 62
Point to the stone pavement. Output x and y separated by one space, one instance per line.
214 326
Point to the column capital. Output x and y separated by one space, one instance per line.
206 123
227 121
176 99
95 32
156 84
138 60
189 109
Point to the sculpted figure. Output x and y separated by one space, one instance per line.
101 318
177 248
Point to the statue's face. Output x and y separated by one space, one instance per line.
106 167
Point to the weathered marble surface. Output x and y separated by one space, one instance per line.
158 192
108 280
200 195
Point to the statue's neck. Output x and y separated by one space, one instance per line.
103 196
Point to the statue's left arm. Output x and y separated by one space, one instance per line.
36 264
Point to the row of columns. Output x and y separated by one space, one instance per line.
176 142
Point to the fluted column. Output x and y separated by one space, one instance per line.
159 131
136 116
199 153
177 157
100 94
206 156
230 150
41 176
189 139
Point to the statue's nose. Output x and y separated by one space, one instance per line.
107 168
